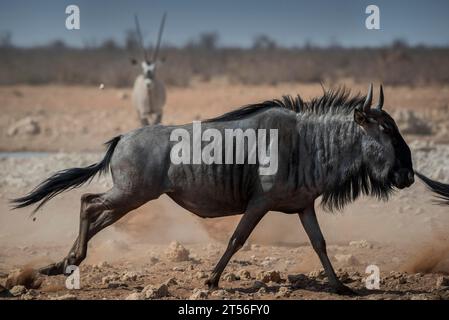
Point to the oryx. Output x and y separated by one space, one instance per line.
149 94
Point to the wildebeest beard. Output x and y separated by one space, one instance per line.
348 189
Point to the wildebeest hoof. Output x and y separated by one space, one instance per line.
343 290
53 269
211 284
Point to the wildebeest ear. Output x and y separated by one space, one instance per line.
360 117
133 61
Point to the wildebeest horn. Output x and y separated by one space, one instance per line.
381 99
369 99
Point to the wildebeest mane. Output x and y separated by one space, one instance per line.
337 101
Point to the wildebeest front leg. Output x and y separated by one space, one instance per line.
312 228
246 225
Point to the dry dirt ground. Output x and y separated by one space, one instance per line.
406 237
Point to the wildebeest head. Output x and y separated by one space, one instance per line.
385 152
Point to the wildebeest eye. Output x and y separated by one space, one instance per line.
384 128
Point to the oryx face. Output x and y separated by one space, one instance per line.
148 69
385 151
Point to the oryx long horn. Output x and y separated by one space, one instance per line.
369 99
139 35
159 38
380 104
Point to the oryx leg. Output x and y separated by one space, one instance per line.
246 225
312 228
158 118
144 121
97 212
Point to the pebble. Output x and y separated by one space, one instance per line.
244 274
155 292
267 276
17 290
362 244
199 294
176 252
201 275
135 296
230 277
442 282
129 276
171 282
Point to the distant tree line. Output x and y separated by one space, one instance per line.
265 62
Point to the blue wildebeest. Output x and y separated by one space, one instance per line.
335 146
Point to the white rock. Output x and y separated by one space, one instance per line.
219 293
103 265
176 252
201 275
155 292
129 276
283 292
363 244
171 282
135 296
319 274
198 294
255 247
17 290
230 277
442 282
269 261
110 278
244 274
28 126
267 276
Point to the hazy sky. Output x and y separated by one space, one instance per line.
289 22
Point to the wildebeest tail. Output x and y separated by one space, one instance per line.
441 189
65 180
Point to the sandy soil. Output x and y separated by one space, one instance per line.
86 116
406 237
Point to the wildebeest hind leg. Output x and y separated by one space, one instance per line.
246 225
312 228
97 212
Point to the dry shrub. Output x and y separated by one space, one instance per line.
393 65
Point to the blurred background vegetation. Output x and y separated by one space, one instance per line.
203 58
